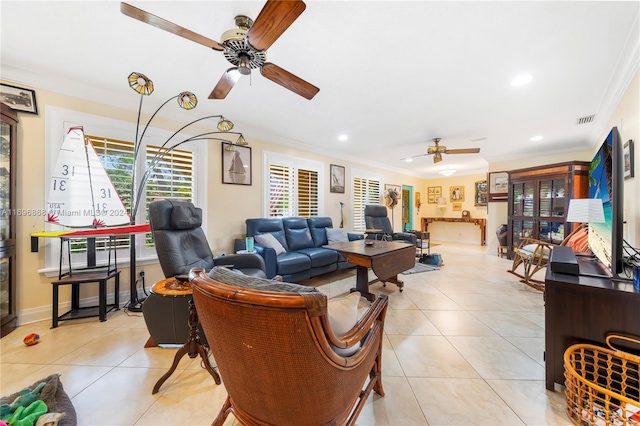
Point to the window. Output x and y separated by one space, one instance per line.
366 190
174 176
292 186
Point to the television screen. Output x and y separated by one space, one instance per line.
605 183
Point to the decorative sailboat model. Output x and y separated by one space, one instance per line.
81 194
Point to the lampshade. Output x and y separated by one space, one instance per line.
585 210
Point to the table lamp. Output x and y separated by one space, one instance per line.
585 210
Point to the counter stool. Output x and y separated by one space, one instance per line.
75 281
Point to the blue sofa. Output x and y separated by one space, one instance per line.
302 239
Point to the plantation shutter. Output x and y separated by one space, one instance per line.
365 191
292 191
280 191
307 193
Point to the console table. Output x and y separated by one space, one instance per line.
580 309
474 221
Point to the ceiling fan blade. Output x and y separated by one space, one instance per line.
274 18
163 24
285 79
463 151
226 83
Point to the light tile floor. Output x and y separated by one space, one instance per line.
463 346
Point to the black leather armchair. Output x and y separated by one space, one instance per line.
375 217
181 245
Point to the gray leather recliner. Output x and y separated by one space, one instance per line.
375 217
181 245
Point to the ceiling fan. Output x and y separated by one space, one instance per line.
245 46
438 150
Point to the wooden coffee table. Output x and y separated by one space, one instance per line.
386 258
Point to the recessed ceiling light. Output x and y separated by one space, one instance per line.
343 138
447 172
408 159
536 138
521 80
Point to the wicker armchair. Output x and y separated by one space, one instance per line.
534 254
275 354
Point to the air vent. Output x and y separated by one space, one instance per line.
586 119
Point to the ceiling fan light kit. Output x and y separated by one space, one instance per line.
245 46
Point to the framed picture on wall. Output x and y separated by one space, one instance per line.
627 152
18 98
236 164
456 193
433 192
481 193
498 186
336 174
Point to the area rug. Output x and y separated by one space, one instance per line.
420 267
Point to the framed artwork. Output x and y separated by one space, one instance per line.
336 174
481 193
627 152
498 186
433 192
457 207
236 164
18 98
456 193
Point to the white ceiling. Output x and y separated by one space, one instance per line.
392 75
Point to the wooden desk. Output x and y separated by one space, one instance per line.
386 258
475 221
581 309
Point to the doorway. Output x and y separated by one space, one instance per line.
407 209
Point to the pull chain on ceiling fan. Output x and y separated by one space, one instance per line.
438 150
245 46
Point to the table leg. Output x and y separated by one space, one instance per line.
362 283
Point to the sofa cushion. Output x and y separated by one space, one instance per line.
297 233
268 240
320 256
293 262
337 235
318 226
229 277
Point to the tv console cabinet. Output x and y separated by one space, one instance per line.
581 309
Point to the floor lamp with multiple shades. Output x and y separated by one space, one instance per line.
188 101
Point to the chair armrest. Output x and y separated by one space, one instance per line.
270 262
404 236
377 311
242 261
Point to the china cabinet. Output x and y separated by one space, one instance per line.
8 134
539 200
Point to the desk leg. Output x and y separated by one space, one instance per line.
54 316
102 300
362 283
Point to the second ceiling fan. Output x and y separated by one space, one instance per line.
245 46
437 150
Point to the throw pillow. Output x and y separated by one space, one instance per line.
337 235
268 240
343 315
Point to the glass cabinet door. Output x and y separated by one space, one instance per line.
5 181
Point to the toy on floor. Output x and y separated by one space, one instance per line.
31 339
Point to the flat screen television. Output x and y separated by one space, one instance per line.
606 183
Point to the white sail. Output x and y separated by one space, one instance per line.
81 192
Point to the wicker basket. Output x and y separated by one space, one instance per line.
602 386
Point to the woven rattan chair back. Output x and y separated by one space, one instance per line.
274 354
